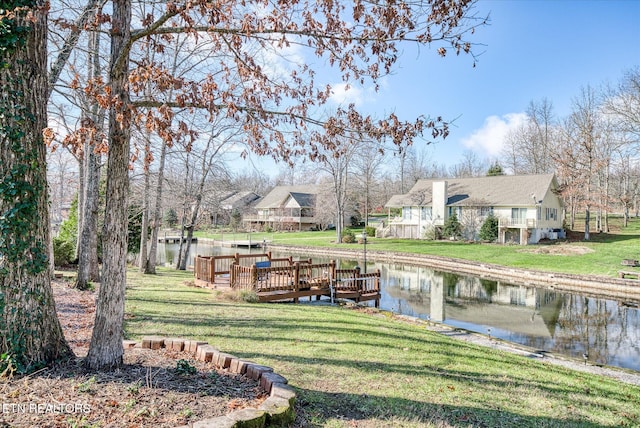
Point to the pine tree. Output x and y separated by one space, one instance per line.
489 229
452 227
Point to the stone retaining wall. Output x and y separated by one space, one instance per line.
275 411
597 286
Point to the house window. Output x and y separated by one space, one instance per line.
485 211
425 213
457 210
406 213
551 214
518 214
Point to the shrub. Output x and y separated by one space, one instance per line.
63 251
248 296
348 237
356 220
431 233
489 229
183 367
370 231
69 227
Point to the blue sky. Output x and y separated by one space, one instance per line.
532 49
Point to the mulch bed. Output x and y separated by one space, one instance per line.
153 388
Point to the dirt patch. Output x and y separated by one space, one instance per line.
154 388
558 250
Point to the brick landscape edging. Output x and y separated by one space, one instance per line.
275 411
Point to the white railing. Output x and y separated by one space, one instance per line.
519 223
280 219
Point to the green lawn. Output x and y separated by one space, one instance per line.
601 255
349 366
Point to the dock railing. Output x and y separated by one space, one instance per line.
282 278
212 268
300 275
352 281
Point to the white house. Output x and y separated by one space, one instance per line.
527 207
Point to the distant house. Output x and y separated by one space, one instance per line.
241 202
527 207
285 208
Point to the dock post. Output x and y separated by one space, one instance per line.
296 279
212 270
232 275
253 274
356 276
378 273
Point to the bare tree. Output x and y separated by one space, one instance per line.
366 164
581 157
337 164
623 103
93 124
105 349
469 166
529 148
541 129
203 167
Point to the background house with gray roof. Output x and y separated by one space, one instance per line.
219 210
528 207
285 208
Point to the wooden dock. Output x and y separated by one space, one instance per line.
174 240
281 279
243 244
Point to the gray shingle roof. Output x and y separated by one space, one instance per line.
238 199
304 196
501 190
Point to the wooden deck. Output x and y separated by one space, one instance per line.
282 279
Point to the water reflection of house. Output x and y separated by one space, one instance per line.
444 296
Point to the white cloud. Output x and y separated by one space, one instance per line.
343 94
490 139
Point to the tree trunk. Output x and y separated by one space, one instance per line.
105 350
587 218
88 269
144 232
190 227
87 248
185 205
157 214
82 184
30 332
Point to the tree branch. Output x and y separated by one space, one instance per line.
71 42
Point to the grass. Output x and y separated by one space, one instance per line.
369 369
603 255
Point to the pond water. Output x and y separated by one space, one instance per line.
607 331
